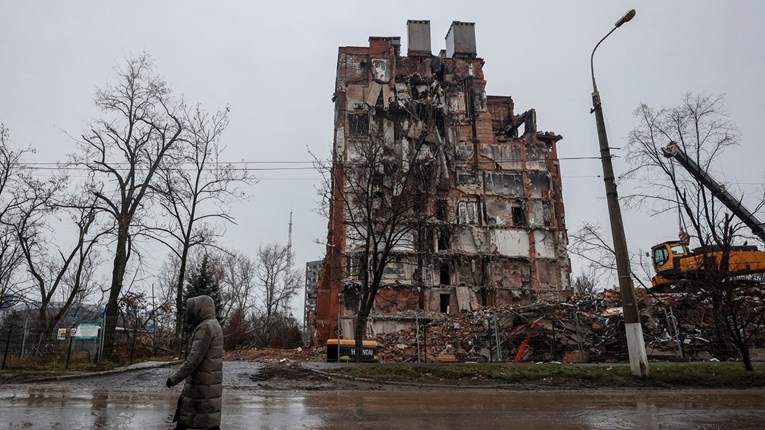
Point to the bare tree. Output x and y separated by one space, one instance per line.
13 174
163 301
167 275
56 271
703 131
123 153
277 281
238 283
589 244
737 303
30 209
701 127
384 194
82 282
197 190
584 286
217 266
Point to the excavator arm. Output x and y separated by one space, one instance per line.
733 204
674 262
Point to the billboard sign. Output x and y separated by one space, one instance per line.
87 331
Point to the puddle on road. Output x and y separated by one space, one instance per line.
545 410
57 407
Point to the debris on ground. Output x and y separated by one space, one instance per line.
578 330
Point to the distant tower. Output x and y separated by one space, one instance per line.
289 239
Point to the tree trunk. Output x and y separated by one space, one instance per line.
743 348
112 306
361 325
721 345
180 319
179 313
42 325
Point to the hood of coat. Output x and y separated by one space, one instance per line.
199 308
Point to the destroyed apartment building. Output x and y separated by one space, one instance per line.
485 225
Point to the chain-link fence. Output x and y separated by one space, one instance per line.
25 342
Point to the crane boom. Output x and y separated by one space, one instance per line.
673 150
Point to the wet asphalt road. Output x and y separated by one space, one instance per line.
139 400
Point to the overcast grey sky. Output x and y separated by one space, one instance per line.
274 64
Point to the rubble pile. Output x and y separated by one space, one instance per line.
577 330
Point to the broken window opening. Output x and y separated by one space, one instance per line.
358 123
488 298
529 121
348 265
429 237
380 70
482 213
441 125
424 172
540 184
467 212
420 201
352 296
353 266
467 177
546 213
444 305
508 184
444 237
519 215
441 209
398 131
444 275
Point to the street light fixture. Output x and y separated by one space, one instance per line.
635 343
626 18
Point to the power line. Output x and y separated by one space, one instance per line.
42 164
81 168
56 163
57 166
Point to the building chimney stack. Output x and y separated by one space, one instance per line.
419 38
460 40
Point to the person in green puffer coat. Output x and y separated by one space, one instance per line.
199 406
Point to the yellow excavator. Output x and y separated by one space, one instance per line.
674 262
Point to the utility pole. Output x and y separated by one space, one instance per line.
635 342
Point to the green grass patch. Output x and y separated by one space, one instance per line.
37 371
561 376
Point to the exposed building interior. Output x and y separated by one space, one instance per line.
485 225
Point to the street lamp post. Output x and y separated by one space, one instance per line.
635 343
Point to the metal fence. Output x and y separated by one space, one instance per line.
24 343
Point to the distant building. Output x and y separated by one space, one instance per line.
497 235
312 270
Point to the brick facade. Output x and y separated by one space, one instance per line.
497 233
